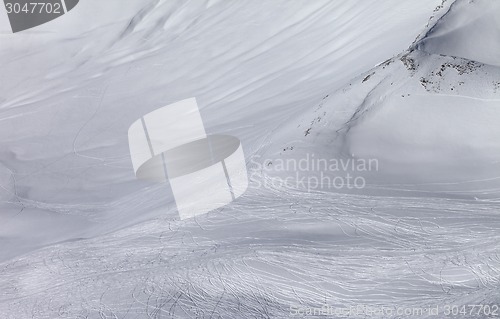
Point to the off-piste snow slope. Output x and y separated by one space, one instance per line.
429 115
81 238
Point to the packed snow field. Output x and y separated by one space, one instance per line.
414 85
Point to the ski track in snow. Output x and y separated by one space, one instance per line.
292 248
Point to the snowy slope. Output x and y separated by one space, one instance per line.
81 238
71 88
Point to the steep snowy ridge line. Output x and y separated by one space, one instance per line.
469 30
421 78
429 28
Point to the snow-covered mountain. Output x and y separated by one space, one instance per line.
430 118
72 87
472 36
414 85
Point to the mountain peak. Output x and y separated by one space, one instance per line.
470 30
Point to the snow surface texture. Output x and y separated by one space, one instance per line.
473 35
82 238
